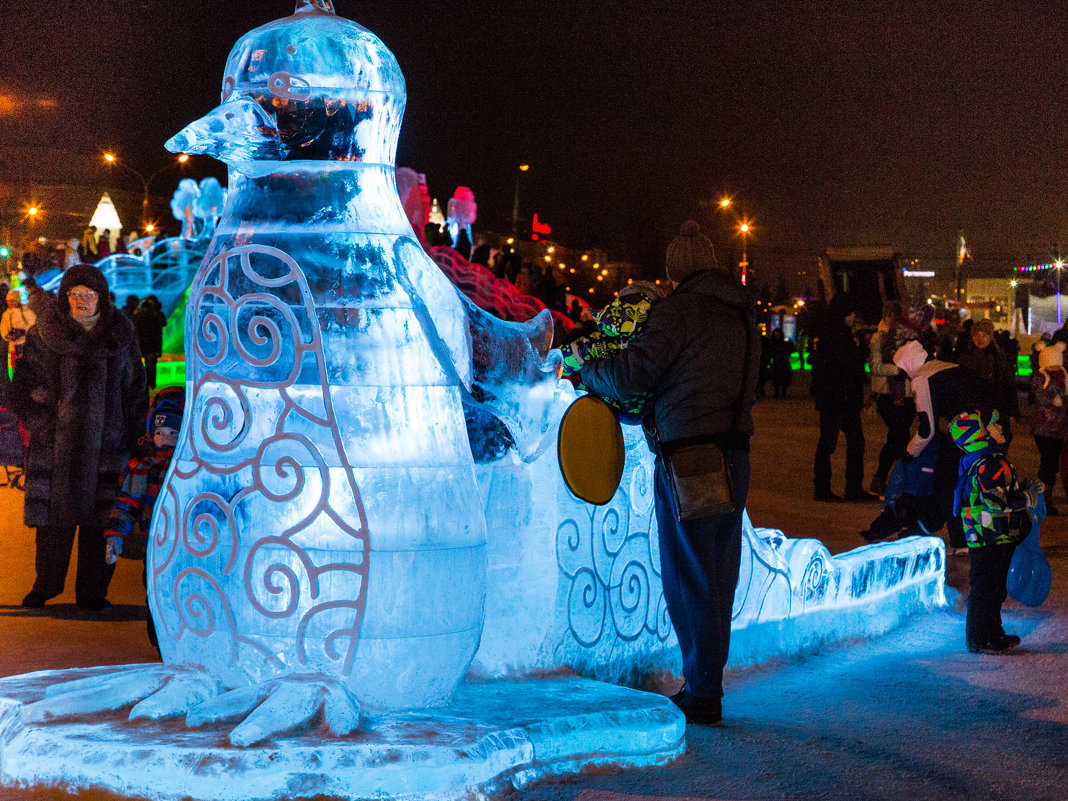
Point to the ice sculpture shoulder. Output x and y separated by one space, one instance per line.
321 513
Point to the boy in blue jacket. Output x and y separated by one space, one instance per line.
910 507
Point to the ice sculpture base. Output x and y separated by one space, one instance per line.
493 736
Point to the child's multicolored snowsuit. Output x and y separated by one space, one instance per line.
136 500
989 500
141 482
617 324
996 515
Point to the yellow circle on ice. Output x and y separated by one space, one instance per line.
590 450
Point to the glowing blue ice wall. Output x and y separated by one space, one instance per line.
321 513
576 585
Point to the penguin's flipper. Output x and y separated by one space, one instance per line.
506 368
516 376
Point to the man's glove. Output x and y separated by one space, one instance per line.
114 549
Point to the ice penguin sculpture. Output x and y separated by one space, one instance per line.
321 514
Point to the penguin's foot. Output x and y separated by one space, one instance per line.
261 710
279 706
155 691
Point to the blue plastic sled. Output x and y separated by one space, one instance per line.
1030 576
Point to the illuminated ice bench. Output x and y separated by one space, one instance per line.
575 585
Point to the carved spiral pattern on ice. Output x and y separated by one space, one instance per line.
240 462
615 587
815 582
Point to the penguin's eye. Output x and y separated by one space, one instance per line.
291 87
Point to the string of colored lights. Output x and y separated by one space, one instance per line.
1034 268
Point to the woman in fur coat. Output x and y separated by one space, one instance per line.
79 389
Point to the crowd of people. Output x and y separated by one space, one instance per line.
42 256
953 470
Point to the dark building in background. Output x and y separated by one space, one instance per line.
872 275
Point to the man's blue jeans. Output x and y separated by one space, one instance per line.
699 562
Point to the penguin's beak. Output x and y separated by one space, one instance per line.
237 131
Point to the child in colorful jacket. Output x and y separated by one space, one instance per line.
617 324
131 514
996 515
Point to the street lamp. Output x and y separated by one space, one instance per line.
721 222
743 265
146 182
1058 265
515 204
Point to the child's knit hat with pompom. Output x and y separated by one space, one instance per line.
1050 359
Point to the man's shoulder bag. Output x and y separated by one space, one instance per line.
700 481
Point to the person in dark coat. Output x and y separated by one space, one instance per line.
980 354
149 322
764 371
698 355
838 387
79 390
780 368
129 308
103 245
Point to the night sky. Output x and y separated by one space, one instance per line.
829 123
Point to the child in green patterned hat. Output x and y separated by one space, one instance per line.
617 324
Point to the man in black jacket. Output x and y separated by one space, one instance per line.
699 356
149 322
838 386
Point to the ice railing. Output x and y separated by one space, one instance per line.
163 268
